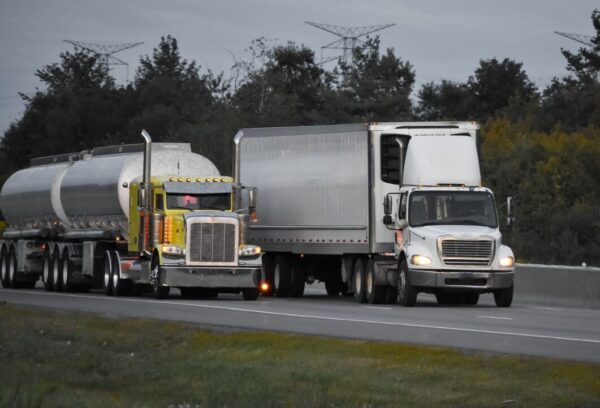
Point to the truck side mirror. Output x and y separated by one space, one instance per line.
387 210
510 219
401 224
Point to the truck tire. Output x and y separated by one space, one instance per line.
407 294
504 297
375 294
470 298
159 292
333 287
391 295
281 276
3 268
107 274
47 272
298 278
66 266
358 280
121 287
250 294
11 269
57 280
268 266
346 270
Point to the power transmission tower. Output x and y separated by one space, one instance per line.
105 53
349 39
580 38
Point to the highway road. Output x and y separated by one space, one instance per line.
523 329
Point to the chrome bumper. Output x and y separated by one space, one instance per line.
214 277
483 281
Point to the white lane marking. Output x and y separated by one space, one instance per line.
495 317
547 308
377 307
339 319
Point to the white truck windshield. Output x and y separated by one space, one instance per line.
221 202
452 207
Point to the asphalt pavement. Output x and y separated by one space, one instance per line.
523 329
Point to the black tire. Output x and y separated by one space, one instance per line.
3 268
374 293
407 294
11 269
346 271
250 294
470 298
282 276
445 298
346 290
121 287
268 266
67 269
159 291
298 278
47 272
57 279
107 274
504 297
358 280
333 287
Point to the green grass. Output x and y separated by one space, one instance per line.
64 359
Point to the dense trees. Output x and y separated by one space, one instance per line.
541 146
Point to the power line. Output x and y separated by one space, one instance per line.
349 39
580 38
105 52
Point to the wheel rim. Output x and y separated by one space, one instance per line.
11 268
65 271
106 275
46 271
276 277
3 267
357 280
369 283
115 279
55 271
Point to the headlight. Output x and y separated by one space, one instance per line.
249 250
507 262
420 260
173 250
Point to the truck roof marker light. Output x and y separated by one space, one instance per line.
216 180
171 178
198 179
180 179
188 179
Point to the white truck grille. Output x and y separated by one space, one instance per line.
467 252
212 241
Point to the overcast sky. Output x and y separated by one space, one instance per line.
443 39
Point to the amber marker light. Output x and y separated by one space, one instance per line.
264 287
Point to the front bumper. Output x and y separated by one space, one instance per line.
213 277
479 280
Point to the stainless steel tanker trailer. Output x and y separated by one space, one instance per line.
379 210
127 218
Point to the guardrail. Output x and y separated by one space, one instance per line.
558 285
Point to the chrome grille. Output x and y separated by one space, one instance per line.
211 242
467 253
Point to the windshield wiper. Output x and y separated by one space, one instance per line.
467 222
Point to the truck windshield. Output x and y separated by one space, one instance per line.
219 202
452 207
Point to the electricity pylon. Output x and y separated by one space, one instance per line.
349 39
105 52
580 38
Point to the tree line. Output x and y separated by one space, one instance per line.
541 146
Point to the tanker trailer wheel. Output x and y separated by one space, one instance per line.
67 269
358 280
159 292
407 294
11 269
57 278
47 271
3 268
107 283
504 297
281 276
121 287
374 293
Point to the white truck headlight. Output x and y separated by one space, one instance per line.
173 250
250 250
507 262
420 260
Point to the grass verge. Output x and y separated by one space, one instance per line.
72 359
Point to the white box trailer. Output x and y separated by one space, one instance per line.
333 205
